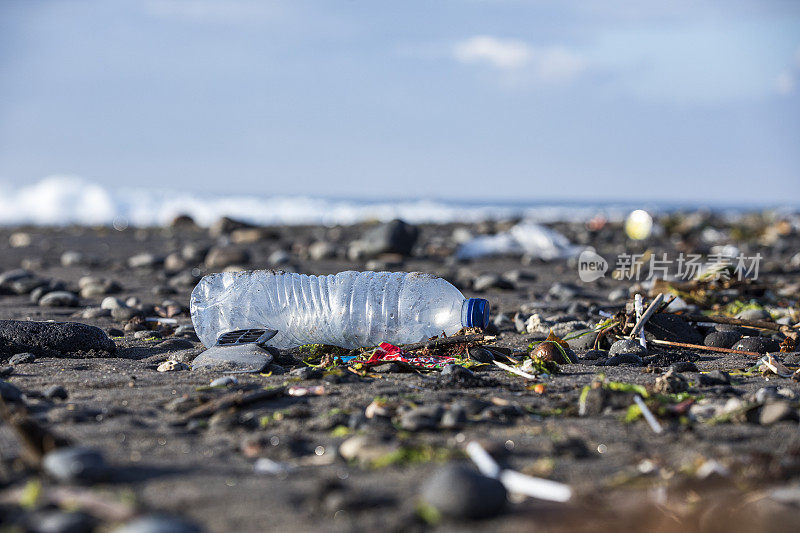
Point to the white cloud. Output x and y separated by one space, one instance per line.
551 64
499 53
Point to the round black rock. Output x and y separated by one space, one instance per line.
623 359
757 344
56 392
722 339
460 492
627 346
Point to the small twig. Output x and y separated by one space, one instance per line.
648 415
647 314
700 347
234 399
758 324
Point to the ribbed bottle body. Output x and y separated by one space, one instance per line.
348 309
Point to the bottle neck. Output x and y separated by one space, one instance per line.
475 313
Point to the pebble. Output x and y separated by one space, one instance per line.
754 314
242 358
9 392
223 256
41 290
684 366
144 260
75 464
773 412
671 383
305 372
715 377
6 371
146 334
171 366
55 521
564 291
460 492
56 392
72 258
59 299
54 339
593 355
278 258
91 287
22 358
618 295
627 346
396 237
420 418
95 312
320 250
158 524
224 381
582 339
366 448
488 281
112 303
757 344
722 339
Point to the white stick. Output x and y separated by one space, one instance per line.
638 305
647 314
514 370
648 415
516 482
485 462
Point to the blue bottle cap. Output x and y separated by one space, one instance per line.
475 313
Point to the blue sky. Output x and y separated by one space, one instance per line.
470 99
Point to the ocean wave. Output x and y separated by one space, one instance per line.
63 200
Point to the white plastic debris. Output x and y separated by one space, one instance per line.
648 415
526 238
516 482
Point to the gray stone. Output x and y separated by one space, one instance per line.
279 257
684 366
593 355
112 303
715 377
460 492
618 294
722 339
75 464
73 258
9 392
425 417
55 521
59 299
488 281
320 250
158 524
54 339
235 358
757 344
224 381
627 346
395 237
222 256
145 260
582 339
56 392
95 312
754 314
22 358
773 412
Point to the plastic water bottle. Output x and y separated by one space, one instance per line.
349 309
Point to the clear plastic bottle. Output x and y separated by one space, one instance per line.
349 309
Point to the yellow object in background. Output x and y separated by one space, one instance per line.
639 225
